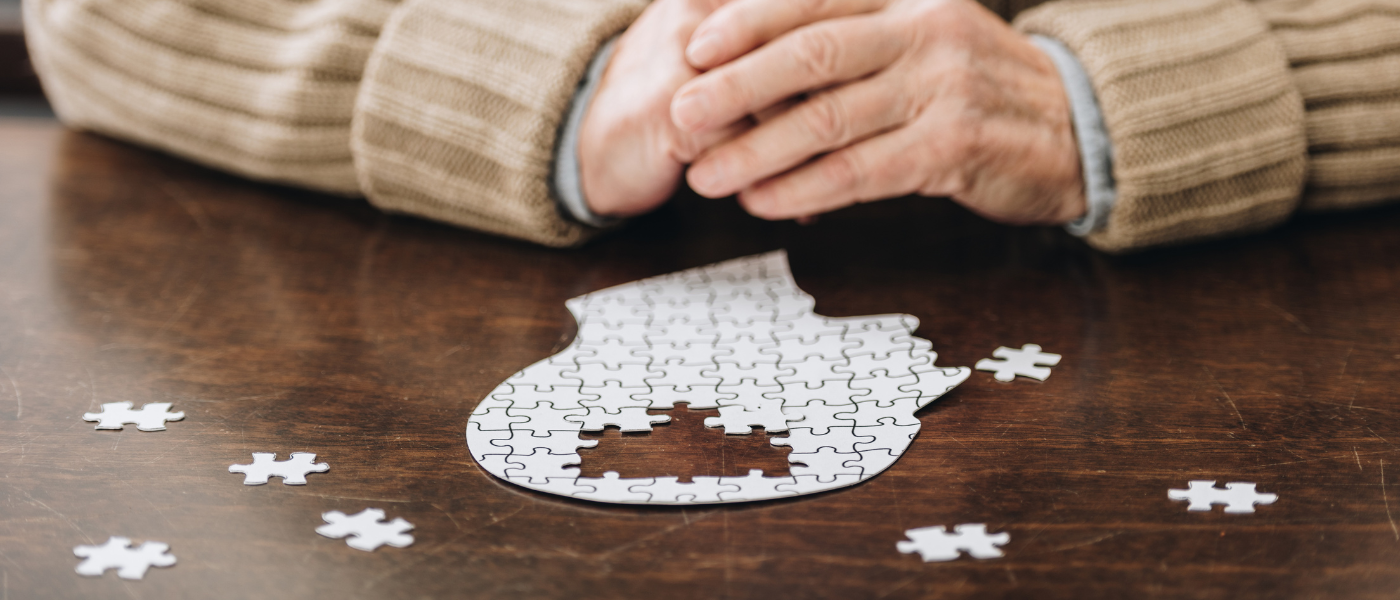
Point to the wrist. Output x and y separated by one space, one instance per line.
570 181
1098 188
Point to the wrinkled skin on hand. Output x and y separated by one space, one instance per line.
631 156
878 99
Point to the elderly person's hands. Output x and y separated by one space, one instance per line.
930 97
630 154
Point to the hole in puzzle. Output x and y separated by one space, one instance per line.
685 448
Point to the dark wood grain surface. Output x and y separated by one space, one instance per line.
280 320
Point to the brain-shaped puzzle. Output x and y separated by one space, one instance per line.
737 336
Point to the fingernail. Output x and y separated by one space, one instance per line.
689 110
706 178
702 49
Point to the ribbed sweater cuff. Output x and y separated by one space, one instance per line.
1205 122
1095 149
568 179
461 105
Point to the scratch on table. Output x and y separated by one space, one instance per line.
499 520
1288 316
191 207
60 515
1358 459
900 585
683 524
148 501
11 561
334 497
1342 456
1378 436
184 307
1089 542
92 388
1386 498
19 400
1347 359
1351 407
1227 397
449 515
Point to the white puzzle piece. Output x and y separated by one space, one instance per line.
737 419
1238 497
935 544
151 417
367 529
292 471
1029 361
117 553
737 336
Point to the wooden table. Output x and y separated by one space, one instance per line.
280 320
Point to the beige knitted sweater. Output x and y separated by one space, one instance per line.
1225 115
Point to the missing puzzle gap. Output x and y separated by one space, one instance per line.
682 448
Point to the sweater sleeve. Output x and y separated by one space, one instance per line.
1228 116
1206 123
461 106
446 109
262 88
1345 56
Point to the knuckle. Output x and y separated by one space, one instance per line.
826 119
817 51
958 81
730 88
841 171
810 7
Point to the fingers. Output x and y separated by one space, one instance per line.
742 25
689 146
885 166
824 122
811 58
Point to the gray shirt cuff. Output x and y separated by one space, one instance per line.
1095 147
568 183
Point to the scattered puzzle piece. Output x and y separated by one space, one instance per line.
935 544
117 553
737 336
1023 362
151 417
367 529
292 471
1238 497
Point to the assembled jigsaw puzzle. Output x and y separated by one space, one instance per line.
737 336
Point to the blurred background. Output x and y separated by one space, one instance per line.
20 95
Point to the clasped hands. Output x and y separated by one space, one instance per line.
801 107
